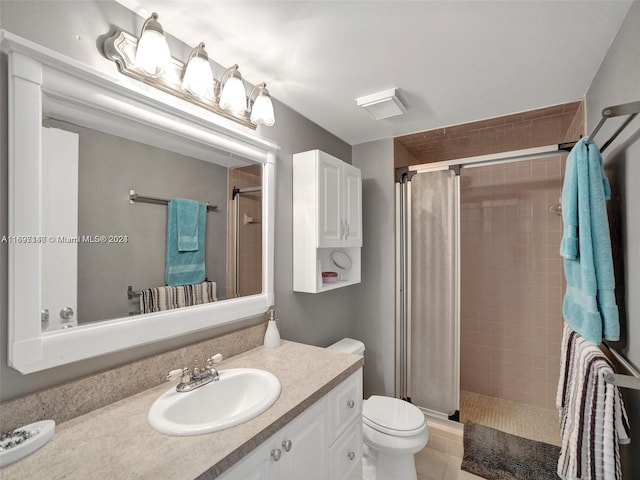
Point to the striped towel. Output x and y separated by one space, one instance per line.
592 417
167 298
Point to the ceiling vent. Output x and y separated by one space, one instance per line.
383 104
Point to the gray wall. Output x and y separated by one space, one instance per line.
319 319
618 81
109 167
374 321
76 29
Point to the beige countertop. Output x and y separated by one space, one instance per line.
116 441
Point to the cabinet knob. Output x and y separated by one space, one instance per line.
276 454
351 455
287 445
351 404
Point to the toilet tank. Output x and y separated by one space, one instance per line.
348 345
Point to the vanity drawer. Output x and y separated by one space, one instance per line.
345 404
346 454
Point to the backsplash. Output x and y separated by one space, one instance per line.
75 398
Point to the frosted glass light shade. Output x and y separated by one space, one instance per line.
233 97
152 53
262 110
198 77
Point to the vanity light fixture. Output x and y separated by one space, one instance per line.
233 97
148 60
262 107
152 52
198 77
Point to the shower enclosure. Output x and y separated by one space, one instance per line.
429 286
480 283
244 242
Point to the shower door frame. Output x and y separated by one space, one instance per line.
236 193
403 283
403 253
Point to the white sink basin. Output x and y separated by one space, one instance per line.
240 395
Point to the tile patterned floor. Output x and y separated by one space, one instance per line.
442 457
434 464
525 421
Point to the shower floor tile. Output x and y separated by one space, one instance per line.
526 421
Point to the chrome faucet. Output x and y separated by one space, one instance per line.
191 380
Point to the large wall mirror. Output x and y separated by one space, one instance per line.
94 163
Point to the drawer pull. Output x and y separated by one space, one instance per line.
351 455
276 454
286 445
351 404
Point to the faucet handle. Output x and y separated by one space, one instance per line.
217 358
174 374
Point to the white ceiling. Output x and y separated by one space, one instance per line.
453 61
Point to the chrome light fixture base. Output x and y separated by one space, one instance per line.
121 48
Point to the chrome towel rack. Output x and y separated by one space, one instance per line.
632 109
626 381
135 197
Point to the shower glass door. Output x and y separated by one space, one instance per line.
429 348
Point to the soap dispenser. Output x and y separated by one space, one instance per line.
272 335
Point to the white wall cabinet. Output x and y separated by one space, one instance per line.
338 199
313 446
327 216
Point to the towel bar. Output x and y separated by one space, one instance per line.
130 293
135 197
632 109
625 381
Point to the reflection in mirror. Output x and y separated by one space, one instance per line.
121 246
245 235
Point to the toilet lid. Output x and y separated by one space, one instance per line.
392 416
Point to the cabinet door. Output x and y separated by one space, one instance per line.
258 465
60 219
346 454
305 457
352 206
330 219
345 404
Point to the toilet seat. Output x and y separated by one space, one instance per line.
393 416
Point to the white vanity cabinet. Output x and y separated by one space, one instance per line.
345 429
297 451
323 443
327 217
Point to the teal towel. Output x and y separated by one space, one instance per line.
185 267
187 218
589 305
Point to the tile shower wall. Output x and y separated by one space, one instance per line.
249 231
543 126
512 280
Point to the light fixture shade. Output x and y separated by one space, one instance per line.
233 97
262 109
198 77
152 53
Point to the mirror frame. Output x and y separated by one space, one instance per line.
41 81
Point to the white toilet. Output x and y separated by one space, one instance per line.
393 429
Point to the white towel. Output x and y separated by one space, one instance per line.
592 417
